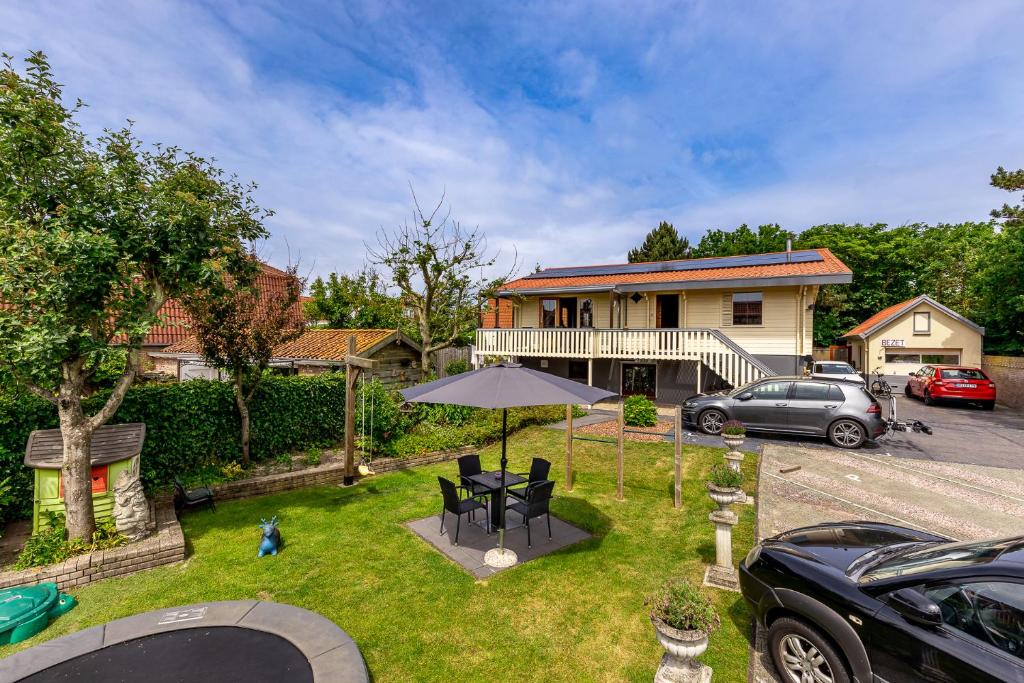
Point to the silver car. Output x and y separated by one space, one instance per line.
842 411
835 369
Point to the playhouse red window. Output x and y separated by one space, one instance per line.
99 480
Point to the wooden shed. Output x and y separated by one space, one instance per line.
115 449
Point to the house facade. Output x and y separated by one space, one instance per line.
665 329
920 331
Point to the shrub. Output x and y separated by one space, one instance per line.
679 605
725 477
456 367
232 471
51 545
313 456
191 427
378 415
733 428
639 411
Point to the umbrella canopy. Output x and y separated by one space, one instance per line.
506 385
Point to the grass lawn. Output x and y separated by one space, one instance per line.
575 615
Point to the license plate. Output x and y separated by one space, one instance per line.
966 386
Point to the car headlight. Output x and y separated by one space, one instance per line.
753 555
690 404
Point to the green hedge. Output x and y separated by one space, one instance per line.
189 426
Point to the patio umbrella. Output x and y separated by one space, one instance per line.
505 385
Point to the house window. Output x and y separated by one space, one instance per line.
746 308
911 358
586 313
922 322
547 312
941 358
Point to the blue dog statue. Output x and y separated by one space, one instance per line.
271 537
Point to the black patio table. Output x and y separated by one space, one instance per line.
492 482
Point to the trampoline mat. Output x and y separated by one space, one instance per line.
221 653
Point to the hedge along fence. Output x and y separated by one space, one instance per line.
189 425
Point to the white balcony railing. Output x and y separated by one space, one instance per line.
709 346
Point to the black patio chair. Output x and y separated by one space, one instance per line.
185 499
536 504
468 466
539 469
458 505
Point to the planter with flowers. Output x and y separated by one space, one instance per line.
683 618
733 434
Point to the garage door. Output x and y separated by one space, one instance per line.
901 362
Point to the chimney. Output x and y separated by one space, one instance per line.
789 249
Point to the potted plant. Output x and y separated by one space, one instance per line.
683 618
724 485
733 433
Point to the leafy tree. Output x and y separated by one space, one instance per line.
662 244
437 266
354 301
946 261
94 237
999 285
238 326
741 241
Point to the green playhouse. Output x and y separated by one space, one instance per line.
115 449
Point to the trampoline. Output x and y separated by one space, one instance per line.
249 641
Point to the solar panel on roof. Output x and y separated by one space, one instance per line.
672 266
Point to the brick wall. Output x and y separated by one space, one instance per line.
1008 374
331 473
165 546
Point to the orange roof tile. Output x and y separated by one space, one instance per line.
828 265
880 316
176 321
314 344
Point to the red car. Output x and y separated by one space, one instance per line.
935 383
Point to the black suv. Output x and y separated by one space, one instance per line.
871 602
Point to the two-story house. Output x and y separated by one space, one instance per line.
665 329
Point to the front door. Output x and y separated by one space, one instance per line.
638 378
767 407
567 312
667 311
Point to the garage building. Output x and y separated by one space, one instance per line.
920 331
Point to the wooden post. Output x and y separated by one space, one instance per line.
350 414
678 500
619 465
568 447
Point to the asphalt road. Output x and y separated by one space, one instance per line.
961 434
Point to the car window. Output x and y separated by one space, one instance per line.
771 390
836 394
945 556
963 373
990 611
834 369
811 391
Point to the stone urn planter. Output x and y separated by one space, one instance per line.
734 441
724 496
691 610
684 645
734 434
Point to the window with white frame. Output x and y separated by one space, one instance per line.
922 322
747 308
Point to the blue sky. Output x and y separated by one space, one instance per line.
564 130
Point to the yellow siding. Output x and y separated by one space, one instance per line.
947 334
778 333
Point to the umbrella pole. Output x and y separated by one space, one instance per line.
500 557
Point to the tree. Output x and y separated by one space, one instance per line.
741 241
999 285
437 267
662 244
94 237
238 326
354 301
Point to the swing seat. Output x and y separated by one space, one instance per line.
364 470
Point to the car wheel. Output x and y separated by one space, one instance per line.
711 421
907 391
846 433
801 653
928 400
988 405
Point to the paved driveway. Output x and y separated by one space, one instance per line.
962 434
